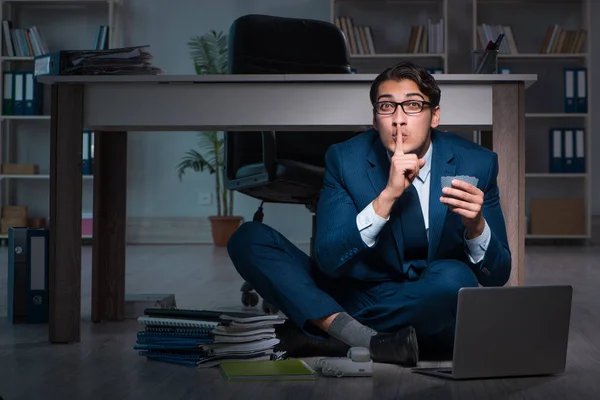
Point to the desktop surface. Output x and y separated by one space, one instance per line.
528 79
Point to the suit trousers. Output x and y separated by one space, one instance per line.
289 279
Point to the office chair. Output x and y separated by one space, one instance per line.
282 167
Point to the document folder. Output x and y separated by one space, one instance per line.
17 274
37 276
556 155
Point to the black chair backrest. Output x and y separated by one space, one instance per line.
265 44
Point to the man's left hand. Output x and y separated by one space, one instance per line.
466 200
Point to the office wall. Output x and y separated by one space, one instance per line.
153 187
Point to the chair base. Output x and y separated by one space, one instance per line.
250 299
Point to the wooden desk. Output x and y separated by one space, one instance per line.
115 105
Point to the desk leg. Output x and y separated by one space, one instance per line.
110 202
508 141
66 143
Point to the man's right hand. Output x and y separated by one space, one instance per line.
404 169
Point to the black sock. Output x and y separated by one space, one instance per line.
350 331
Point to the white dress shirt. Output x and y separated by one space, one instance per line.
370 224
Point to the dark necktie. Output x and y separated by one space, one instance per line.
414 235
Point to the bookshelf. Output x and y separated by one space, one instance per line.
36 27
382 32
546 37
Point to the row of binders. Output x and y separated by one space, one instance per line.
576 90
22 94
204 338
567 150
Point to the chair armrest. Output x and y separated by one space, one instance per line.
257 173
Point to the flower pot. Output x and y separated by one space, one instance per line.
223 228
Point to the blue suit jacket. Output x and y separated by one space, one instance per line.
357 171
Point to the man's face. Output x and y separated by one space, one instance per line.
413 129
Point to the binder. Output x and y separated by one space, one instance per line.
569 150
85 169
37 276
556 151
17 275
92 153
581 94
18 84
33 95
7 99
579 162
570 78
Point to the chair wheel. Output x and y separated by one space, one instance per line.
249 299
269 308
246 287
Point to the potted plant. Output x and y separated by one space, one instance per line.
209 54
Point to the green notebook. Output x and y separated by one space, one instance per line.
280 370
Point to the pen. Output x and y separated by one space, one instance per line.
498 41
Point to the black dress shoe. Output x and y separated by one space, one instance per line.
296 343
396 348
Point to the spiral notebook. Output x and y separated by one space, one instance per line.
171 330
192 334
175 322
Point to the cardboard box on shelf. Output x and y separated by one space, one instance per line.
14 211
20 169
557 216
13 216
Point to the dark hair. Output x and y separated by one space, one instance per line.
408 70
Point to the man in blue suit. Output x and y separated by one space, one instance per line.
392 246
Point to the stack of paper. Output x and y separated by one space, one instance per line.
129 60
119 61
205 338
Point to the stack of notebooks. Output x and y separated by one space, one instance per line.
204 338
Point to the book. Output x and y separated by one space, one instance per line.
174 322
210 315
201 360
277 370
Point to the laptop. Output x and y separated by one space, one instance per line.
508 332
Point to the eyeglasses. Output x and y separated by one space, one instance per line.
408 106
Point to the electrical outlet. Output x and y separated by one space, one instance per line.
205 199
